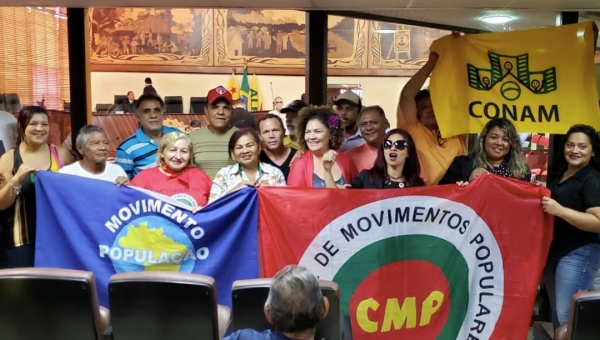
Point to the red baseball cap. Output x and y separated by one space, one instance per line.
218 93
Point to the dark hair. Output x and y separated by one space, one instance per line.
422 94
271 116
148 80
321 113
239 134
128 92
25 116
559 165
195 123
148 97
373 108
517 165
412 167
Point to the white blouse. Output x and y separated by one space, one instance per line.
230 176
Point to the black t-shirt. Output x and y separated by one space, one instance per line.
285 167
579 192
365 180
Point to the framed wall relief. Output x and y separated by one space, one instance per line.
400 47
152 37
217 41
276 38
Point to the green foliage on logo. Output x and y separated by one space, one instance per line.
517 67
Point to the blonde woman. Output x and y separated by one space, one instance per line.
498 152
176 176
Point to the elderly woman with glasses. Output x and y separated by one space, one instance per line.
396 166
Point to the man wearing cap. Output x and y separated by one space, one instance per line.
138 152
211 151
348 105
291 113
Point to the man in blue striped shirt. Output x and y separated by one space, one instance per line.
138 152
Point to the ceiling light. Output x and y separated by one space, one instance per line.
499 19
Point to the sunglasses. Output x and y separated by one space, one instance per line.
399 144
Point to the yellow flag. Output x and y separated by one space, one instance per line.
543 80
255 98
233 87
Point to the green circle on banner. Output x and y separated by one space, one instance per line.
510 90
437 251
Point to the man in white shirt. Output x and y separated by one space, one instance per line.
93 144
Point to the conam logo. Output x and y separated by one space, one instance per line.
513 73
415 267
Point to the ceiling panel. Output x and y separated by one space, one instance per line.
318 4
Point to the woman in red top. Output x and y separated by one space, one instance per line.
176 176
320 134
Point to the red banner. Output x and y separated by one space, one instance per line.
438 262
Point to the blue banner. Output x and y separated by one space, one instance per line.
97 226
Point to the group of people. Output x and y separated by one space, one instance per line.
345 147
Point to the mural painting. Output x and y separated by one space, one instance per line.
151 36
275 38
220 39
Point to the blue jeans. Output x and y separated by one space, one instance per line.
565 276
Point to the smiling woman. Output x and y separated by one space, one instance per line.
244 147
17 197
176 176
498 151
320 135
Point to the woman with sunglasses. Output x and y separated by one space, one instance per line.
498 151
396 166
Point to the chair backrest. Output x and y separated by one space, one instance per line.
103 108
120 99
583 320
197 105
183 306
3 106
174 104
13 102
249 297
47 303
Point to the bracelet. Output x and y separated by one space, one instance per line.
16 189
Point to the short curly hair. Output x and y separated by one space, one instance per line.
322 113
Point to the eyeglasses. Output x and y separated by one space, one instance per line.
399 144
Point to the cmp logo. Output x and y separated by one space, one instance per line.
513 73
415 267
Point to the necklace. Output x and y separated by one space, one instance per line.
395 180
